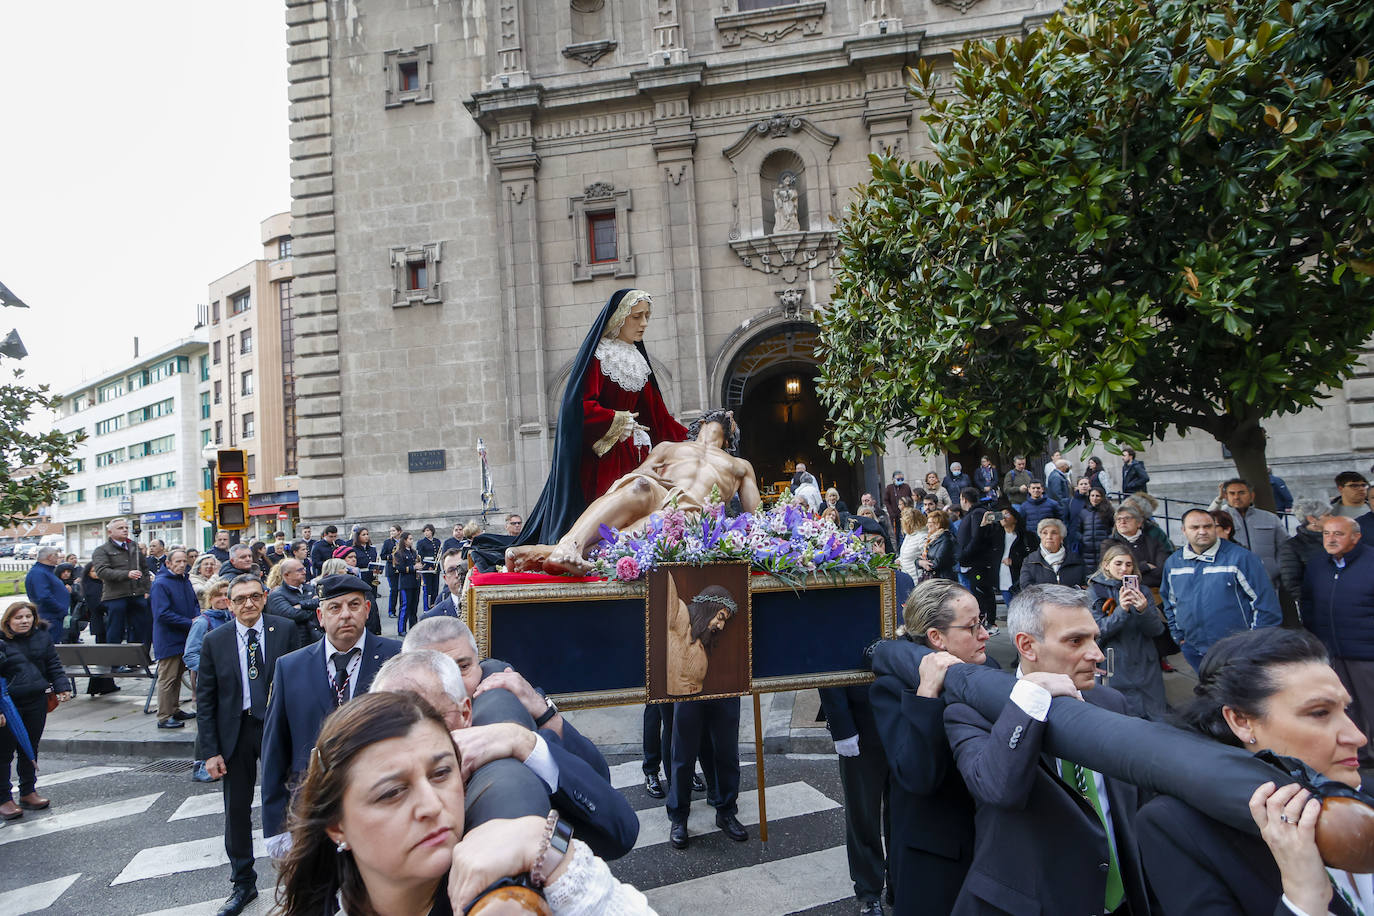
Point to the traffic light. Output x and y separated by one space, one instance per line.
206 513
231 490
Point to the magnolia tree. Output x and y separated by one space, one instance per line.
1139 217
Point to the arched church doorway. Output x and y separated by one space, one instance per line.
771 387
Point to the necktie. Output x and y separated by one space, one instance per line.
341 660
257 677
1082 780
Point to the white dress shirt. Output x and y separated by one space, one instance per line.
242 632
354 663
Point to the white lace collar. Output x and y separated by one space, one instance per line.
622 363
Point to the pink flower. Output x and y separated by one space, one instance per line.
626 569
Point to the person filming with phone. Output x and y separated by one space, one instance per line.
1129 621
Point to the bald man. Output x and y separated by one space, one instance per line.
1338 607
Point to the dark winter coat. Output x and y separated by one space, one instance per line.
1035 511
1035 571
175 608
1294 555
940 553
1148 553
1338 604
1092 529
1134 477
29 664
113 564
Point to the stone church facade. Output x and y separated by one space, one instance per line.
472 179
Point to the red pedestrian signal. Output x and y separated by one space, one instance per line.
231 490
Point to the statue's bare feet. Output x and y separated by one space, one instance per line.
527 559
567 560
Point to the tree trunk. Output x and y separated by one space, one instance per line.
1246 443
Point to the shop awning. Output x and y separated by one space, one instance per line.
264 510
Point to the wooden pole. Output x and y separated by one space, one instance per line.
758 765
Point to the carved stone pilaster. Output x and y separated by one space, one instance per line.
668 48
511 69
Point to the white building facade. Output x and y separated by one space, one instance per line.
146 424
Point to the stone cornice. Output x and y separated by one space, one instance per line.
891 49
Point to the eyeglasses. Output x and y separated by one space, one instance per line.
452 570
972 628
1356 485
254 598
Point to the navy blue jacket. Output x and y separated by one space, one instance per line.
1207 600
1338 604
1036 511
446 608
932 812
1134 477
301 698
44 589
29 664
175 608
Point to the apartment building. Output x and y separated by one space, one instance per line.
145 427
251 399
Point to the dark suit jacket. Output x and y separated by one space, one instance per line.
446 608
219 682
298 606
1039 846
600 814
932 811
301 698
1201 867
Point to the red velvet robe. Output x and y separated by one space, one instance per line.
601 398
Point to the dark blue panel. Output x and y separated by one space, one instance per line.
818 630
572 646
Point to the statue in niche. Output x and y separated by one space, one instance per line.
785 204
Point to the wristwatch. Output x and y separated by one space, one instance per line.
547 714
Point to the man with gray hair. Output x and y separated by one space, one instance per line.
569 782
118 563
1093 865
240 563
48 592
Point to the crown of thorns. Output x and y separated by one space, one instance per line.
724 600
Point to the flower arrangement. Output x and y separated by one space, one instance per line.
784 541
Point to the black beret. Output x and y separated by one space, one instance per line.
334 586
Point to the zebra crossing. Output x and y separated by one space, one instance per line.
122 842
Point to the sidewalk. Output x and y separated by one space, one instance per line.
115 724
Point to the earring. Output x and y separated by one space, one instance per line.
1252 739
342 847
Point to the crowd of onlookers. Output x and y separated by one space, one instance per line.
1095 594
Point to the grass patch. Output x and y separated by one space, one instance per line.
11 583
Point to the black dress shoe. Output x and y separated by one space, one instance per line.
171 723
243 895
677 835
871 908
653 785
182 715
698 783
731 827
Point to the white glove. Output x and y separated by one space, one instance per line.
848 747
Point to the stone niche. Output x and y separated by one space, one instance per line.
784 196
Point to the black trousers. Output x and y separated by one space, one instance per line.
33 712
430 581
717 720
658 740
983 584
866 818
239 780
129 618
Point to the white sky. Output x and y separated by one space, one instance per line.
141 144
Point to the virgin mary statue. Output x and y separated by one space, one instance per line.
611 415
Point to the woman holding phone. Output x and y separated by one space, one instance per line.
1129 620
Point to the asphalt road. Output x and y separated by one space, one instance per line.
121 841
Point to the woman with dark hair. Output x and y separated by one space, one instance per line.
30 667
1262 690
406 562
1097 474
932 813
428 548
1016 546
1093 526
376 827
261 564
1129 620
1226 525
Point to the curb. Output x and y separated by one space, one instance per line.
115 747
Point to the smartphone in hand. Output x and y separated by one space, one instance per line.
1131 581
